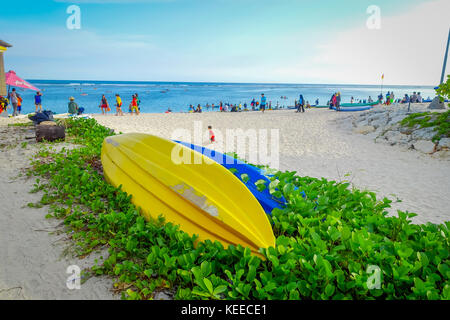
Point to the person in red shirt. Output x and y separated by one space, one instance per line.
104 105
134 106
212 137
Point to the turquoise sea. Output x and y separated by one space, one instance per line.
157 97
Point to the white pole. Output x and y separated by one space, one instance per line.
445 59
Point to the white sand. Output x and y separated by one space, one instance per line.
312 145
33 262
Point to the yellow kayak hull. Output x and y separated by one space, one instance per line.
187 188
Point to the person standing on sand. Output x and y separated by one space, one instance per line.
118 106
133 105
14 101
138 102
212 137
380 99
38 101
301 104
333 100
3 104
19 103
388 97
104 105
263 103
4 101
338 101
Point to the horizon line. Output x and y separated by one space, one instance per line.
226 82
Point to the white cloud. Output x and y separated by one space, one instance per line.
409 48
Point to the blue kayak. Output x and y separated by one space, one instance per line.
244 171
353 109
428 100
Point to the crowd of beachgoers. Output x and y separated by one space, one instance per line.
15 101
301 104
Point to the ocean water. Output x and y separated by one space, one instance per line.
157 97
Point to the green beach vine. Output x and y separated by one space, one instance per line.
326 242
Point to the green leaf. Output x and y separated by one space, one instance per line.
220 289
423 259
197 273
208 285
288 188
233 170
329 290
244 177
405 252
251 273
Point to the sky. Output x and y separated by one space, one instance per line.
260 41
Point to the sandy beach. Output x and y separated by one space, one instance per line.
34 251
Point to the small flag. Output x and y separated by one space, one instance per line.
382 76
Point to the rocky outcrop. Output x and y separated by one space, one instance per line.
384 126
436 104
423 134
424 146
364 129
444 143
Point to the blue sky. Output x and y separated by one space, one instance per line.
291 41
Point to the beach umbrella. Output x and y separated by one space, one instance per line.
13 80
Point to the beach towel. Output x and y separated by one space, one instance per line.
39 117
80 116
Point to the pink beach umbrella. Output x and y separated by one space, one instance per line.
13 80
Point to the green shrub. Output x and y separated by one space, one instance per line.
444 90
440 122
327 244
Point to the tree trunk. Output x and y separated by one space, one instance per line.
50 133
